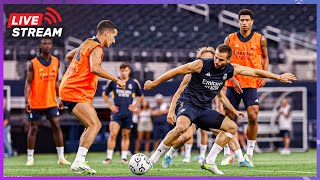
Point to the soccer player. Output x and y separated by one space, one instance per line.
249 49
205 52
208 78
79 85
41 98
122 111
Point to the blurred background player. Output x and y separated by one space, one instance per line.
159 117
79 85
41 98
285 125
6 130
122 111
249 49
145 127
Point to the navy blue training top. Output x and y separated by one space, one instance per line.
204 86
122 98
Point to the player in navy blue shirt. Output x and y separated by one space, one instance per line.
208 78
122 111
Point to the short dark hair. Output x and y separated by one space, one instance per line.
224 48
105 25
125 65
245 12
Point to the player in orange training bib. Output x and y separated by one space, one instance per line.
79 85
249 48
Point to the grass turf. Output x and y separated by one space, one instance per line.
266 164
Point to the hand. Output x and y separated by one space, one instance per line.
148 85
131 107
61 106
27 107
262 82
237 86
239 114
171 118
287 78
121 83
114 108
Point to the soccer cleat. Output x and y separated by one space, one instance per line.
227 159
210 167
82 168
63 162
245 163
186 159
167 161
30 162
124 161
248 158
201 159
107 161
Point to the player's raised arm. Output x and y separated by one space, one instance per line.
95 67
247 71
171 114
71 53
188 68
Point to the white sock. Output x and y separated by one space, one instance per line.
203 149
250 146
214 151
30 153
239 155
188 148
109 153
60 151
227 150
171 151
124 154
158 152
81 154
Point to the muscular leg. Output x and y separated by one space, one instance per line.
252 128
125 142
114 128
32 134
57 133
87 115
58 139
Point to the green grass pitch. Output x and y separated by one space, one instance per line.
266 164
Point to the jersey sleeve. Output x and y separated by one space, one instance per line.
109 87
138 90
231 72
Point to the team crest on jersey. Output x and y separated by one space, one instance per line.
225 76
129 86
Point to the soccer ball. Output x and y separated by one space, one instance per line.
139 164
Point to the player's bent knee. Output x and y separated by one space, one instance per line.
180 130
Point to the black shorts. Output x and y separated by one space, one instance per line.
204 118
249 96
284 133
36 114
69 104
124 120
